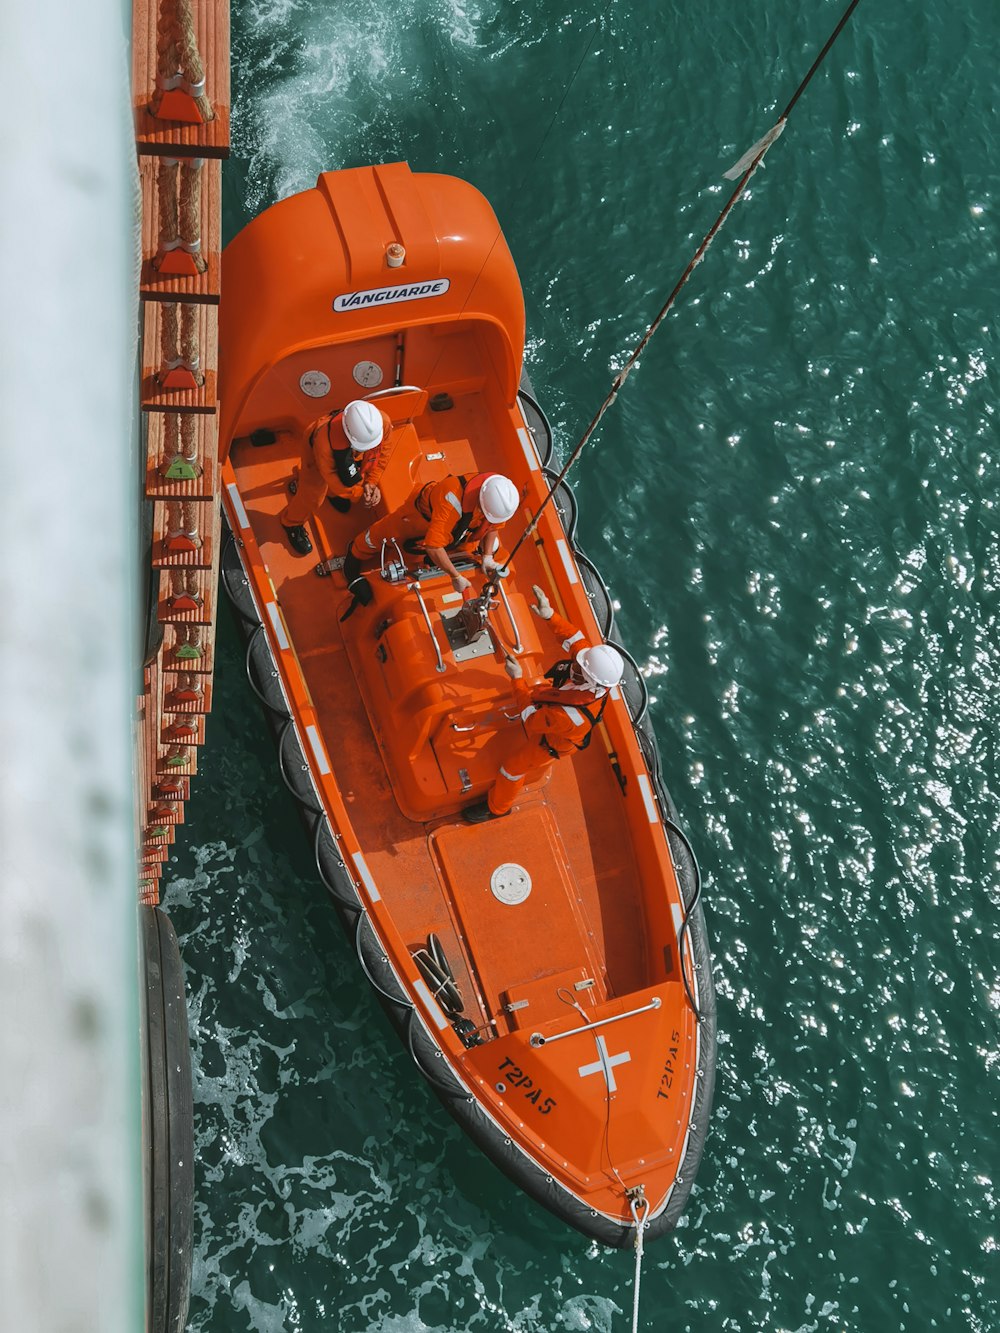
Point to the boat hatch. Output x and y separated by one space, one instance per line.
521 953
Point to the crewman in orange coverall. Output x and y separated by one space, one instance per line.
453 516
343 457
557 717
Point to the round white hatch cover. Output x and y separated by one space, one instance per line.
368 374
510 883
315 384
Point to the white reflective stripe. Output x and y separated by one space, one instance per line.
678 915
433 1008
454 501
279 628
568 561
615 692
317 749
527 712
451 597
647 799
511 777
577 718
528 445
366 876
573 638
237 503
605 1064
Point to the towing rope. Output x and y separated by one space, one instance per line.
635 1199
636 1195
744 169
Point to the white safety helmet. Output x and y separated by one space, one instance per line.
602 665
362 425
498 498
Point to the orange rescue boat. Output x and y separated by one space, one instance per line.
548 971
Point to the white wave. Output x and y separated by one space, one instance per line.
346 68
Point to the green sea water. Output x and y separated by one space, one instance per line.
794 503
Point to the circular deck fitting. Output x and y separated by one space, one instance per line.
315 384
510 883
368 374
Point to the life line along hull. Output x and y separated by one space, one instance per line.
569 1047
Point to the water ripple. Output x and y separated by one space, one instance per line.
794 503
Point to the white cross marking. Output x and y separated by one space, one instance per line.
605 1064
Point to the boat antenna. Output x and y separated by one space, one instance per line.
743 170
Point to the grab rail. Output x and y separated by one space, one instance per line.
536 1038
393 388
518 646
415 587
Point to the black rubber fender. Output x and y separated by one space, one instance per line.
168 1125
294 770
538 422
597 593
263 674
704 1089
430 1061
376 966
235 583
633 685
564 499
333 872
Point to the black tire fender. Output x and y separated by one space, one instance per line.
168 1125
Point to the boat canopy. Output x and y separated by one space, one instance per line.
374 265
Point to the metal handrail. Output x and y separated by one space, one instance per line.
415 587
518 646
393 388
386 543
536 1038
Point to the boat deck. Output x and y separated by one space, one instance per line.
583 918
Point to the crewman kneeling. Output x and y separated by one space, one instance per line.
343 457
558 716
454 516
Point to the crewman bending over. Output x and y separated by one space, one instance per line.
557 716
458 515
343 458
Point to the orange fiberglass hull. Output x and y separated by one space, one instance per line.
577 1042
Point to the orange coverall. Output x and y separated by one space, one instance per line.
433 514
318 471
550 717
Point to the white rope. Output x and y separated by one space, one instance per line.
756 152
640 1227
